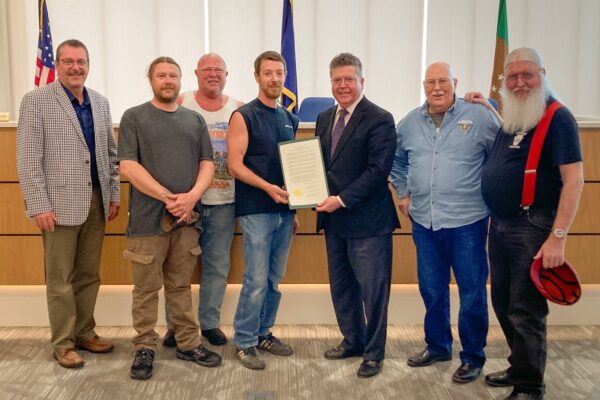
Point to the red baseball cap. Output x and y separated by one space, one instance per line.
559 285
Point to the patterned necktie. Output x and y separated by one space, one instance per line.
338 129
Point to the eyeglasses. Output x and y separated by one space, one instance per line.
525 77
216 70
67 62
349 80
430 83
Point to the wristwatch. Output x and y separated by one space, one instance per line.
559 233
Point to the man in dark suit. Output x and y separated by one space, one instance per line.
358 141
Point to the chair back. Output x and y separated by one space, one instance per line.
312 106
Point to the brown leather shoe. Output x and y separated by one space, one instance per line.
69 358
95 345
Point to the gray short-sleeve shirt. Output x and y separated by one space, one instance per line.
170 146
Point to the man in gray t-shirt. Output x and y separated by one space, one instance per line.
165 153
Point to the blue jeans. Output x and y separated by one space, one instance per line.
218 222
463 249
267 239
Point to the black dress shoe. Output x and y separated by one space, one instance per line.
215 336
426 358
169 339
339 352
498 379
515 395
466 373
369 368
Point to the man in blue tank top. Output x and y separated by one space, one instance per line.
261 204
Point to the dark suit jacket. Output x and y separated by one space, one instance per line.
358 172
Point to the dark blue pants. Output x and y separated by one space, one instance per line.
463 249
520 309
360 272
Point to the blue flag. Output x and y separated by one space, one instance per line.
289 97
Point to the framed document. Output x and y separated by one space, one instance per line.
303 172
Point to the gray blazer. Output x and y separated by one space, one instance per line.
53 160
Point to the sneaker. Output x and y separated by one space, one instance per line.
141 368
249 358
200 355
274 346
169 339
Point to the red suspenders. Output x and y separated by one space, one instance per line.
533 157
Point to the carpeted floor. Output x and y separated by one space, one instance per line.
27 370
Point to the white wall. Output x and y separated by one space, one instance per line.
124 36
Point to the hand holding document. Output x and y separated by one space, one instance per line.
303 172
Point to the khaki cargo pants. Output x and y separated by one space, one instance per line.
167 259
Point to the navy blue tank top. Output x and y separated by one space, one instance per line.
266 128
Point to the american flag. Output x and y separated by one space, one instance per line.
44 68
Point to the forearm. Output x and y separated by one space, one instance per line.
206 173
242 173
139 177
567 205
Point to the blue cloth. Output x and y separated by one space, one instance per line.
267 240
503 174
266 128
86 121
360 272
441 168
464 249
218 224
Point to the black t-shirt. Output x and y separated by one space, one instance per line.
503 173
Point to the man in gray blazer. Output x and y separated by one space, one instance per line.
67 165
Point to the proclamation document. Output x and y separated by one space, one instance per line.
303 172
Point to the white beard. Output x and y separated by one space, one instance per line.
522 115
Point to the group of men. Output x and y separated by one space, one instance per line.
197 161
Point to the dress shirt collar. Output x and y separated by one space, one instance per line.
425 107
73 99
351 108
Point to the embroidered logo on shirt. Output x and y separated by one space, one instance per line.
465 125
517 140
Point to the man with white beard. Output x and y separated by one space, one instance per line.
520 234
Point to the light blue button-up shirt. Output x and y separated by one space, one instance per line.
440 168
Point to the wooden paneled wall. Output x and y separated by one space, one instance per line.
21 252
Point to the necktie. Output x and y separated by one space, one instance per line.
338 129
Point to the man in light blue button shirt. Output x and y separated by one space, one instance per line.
442 146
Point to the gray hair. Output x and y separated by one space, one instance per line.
345 59
524 54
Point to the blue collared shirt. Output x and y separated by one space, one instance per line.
440 168
86 121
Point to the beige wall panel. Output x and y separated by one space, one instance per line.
8 156
583 252
21 260
587 219
119 224
590 144
404 267
12 213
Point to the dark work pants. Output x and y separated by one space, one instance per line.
360 271
520 309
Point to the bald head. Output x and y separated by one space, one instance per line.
439 85
440 67
211 72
